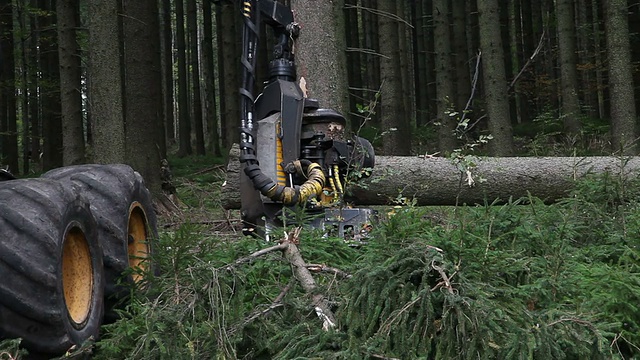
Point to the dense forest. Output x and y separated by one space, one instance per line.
128 81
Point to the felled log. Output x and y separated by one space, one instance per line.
440 181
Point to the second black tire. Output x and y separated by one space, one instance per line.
126 221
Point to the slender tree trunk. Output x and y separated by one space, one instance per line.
10 137
623 110
51 111
444 81
229 71
105 87
393 115
24 88
34 99
372 64
587 89
167 72
570 110
70 83
494 76
419 61
184 116
597 53
354 60
196 100
460 58
142 90
208 70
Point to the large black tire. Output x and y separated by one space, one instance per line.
126 220
51 291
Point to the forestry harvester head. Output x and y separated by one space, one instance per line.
294 153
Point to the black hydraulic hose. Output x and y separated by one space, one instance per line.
267 187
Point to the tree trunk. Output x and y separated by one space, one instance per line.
50 90
167 72
9 115
196 100
570 110
105 87
354 61
623 110
494 76
438 181
444 81
393 118
208 70
419 63
460 58
27 66
70 84
320 52
34 100
184 116
229 68
142 90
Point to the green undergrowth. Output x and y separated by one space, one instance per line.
523 280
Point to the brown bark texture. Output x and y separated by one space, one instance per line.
439 181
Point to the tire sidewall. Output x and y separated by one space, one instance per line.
79 215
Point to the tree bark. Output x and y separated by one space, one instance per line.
9 141
570 110
167 72
105 87
321 52
438 181
50 89
623 110
494 77
143 95
70 83
444 81
184 118
393 119
196 100
208 70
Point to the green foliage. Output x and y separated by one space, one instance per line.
523 280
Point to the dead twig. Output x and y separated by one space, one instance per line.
255 255
446 282
321 268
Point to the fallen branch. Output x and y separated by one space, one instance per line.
303 275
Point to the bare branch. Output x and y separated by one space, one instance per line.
535 53
320 268
256 255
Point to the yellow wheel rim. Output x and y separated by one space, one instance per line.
138 246
77 275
